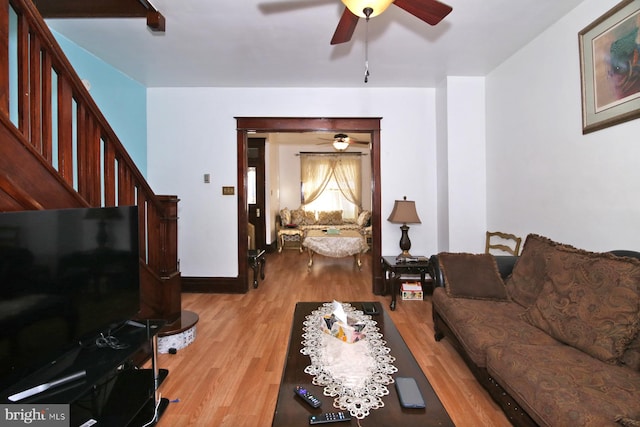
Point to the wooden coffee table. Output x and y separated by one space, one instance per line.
292 411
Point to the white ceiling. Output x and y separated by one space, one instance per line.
265 43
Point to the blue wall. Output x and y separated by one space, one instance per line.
122 100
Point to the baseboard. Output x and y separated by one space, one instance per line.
213 285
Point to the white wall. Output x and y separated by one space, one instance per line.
192 131
465 164
543 175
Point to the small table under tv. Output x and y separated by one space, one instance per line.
102 385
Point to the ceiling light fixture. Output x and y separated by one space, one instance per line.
340 142
367 9
340 145
357 7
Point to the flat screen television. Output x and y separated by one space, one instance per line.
66 276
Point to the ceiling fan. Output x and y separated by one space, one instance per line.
342 141
429 11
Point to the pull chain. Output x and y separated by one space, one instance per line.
367 11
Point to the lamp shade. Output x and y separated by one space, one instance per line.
404 212
340 145
357 6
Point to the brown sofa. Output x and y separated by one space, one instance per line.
553 335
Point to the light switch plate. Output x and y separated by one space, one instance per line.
228 191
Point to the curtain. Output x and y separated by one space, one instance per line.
318 170
347 175
315 174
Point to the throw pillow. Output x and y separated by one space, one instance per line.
309 218
589 301
330 218
299 217
285 217
363 218
474 276
528 275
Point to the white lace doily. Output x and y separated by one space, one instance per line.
355 375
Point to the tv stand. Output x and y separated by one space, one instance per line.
111 390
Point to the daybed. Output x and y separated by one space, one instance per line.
292 224
556 343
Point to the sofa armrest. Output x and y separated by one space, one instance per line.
505 267
435 272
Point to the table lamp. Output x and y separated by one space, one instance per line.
404 212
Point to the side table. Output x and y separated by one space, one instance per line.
290 235
393 269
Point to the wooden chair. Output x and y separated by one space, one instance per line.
505 242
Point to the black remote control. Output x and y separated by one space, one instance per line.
329 417
307 397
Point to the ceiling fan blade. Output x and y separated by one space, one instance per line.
430 11
346 27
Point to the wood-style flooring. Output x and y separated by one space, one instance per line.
230 375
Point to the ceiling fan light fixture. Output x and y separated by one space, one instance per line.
340 145
357 7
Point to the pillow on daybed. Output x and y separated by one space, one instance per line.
330 218
474 276
285 217
590 301
363 218
302 217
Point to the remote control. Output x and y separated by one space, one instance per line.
329 417
307 397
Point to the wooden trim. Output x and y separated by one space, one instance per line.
210 285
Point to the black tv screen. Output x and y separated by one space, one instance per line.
65 277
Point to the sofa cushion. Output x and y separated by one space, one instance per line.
479 325
528 275
472 276
562 386
589 301
330 218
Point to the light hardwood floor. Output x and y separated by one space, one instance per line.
230 375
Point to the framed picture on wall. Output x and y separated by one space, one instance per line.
610 67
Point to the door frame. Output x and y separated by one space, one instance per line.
259 219
370 125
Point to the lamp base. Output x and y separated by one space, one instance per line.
405 254
405 243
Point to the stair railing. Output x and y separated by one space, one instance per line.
58 121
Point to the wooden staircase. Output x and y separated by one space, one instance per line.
82 164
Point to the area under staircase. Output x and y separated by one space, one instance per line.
57 150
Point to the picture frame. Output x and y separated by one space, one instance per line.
610 67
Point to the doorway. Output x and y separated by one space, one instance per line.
245 125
